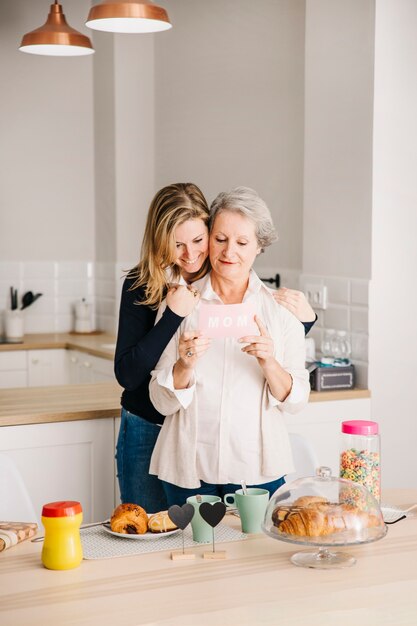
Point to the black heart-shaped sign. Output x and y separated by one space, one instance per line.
212 513
181 515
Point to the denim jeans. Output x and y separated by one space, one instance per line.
179 495
134 449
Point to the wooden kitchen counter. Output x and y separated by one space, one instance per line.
98 344
59 403
256 584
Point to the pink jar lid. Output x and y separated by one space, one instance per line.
360 427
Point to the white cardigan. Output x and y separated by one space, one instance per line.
174 456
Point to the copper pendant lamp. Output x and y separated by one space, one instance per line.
56 38
128 16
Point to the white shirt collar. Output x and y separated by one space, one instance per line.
207 292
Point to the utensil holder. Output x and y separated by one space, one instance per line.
13 325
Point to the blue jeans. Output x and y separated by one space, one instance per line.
179 495
134 449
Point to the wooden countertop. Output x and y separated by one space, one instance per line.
98 344
59 403
256 584
36 405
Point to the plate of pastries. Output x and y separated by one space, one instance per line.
131 521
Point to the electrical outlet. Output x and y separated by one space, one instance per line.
317 296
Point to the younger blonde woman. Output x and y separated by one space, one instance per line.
174 250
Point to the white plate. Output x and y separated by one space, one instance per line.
145 537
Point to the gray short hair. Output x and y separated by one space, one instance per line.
247 202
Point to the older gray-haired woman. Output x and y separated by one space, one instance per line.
225 399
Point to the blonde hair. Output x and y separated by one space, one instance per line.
171 206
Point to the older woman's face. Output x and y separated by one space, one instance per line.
233 245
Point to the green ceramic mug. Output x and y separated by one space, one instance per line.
202 532
251 507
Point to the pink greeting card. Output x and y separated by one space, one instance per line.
228 320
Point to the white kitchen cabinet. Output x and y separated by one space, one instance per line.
103 370
39 368
320 423
47 367
80 367
86 368
13 369
66 461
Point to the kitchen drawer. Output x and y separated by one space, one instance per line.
47 367
13 360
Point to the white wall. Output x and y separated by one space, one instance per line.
338 137
393 300
229 105
134 139
46 148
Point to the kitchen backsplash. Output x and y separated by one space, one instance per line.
63 283
347 309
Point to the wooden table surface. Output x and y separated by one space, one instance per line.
255 585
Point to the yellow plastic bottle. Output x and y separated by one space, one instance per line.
62 544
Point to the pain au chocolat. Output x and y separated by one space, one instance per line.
129 519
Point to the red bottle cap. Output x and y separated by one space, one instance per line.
63 508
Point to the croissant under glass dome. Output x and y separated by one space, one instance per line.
325 512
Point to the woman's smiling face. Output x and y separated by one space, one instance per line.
233 245
191 243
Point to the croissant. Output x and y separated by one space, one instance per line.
129 519
320 518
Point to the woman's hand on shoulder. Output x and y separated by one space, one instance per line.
295 302
182 299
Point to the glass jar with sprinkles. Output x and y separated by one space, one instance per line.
360 455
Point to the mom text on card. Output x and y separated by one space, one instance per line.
228 320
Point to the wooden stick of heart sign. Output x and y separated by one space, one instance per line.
213 515
181 516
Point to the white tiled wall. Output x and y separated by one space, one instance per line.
61 285
105 296
347 309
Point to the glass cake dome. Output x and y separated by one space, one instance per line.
325 512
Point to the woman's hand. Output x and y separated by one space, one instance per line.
296 302
191 347
261 347
182 300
